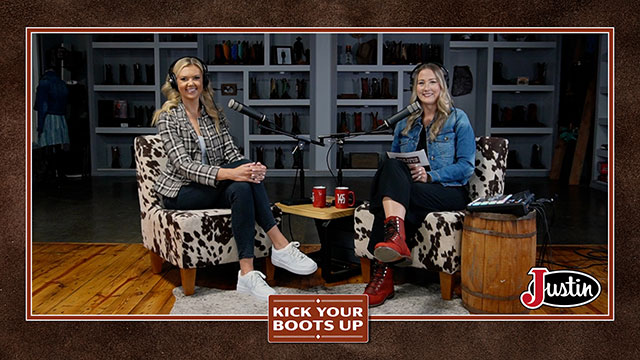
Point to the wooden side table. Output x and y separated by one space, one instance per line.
328 220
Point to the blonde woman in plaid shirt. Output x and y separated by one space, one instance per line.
205 170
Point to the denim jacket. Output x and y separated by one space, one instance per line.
451 155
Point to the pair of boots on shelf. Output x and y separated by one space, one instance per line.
279 158
279 123
518 116
375 89
399 53
143 115
513 160
392 251
122 75
238 53
279 89
347 121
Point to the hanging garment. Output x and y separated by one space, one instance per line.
51 104
462 81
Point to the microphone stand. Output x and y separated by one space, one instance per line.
340 139
302 141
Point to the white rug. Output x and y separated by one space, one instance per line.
409 299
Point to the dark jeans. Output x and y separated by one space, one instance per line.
393 179
248 202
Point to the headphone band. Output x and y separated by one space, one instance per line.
172 76
444 70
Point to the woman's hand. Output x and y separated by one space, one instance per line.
418 173
250 172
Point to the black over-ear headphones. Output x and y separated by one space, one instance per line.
415 69
174 81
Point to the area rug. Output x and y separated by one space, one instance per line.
409 300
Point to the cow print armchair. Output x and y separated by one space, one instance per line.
436 244
187 239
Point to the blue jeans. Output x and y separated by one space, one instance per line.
248 202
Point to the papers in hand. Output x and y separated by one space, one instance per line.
410 158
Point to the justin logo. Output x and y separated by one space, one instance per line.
559 288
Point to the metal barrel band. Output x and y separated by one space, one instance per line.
499 234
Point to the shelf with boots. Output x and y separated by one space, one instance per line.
601 150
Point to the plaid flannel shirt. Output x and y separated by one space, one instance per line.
181 145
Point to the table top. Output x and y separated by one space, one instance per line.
307 210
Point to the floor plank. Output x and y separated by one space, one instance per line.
77 278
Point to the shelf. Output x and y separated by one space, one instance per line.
127 130
259 68
518 88
603 121
528 172
521 130
283 172
132 88
123 45
373 68
357 172
468 44
177 45
524 44
280 102
600 185
602 153
116 172
367 102
273 138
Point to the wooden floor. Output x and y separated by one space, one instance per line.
73 278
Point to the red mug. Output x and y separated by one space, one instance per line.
342 194
319 196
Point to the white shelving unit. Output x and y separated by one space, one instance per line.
601 126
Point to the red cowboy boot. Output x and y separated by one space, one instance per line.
380 287
358 122
394 248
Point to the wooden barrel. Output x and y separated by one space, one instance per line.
497 252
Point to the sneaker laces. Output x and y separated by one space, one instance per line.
259 280
294 251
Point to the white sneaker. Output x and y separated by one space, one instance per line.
292 259
253 283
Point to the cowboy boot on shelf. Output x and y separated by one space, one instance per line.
495 115
285 89
375 89
278 120
349 121
149 114
149 69
242 51
253 88
364 88
498 79
260 154
218 54
115 157
358 122
386 92
133 158
234 53
123 74
295 124
507 117
108 74
301 88
274 90
519 116
226 50
279 164
374 121
139 115
536 157
137 74
532 116
403 54
343 123
540 77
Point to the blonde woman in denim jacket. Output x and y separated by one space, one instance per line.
403 195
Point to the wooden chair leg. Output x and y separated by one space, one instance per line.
446 285
365 267
188 278
269 270
156 262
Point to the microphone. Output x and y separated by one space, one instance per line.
412 108
244 109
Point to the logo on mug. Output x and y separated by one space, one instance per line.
342 195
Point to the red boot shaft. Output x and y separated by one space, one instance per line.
380 288
394 248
